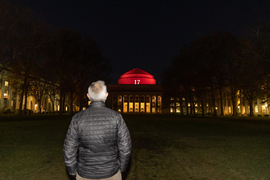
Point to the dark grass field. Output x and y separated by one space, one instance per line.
165 147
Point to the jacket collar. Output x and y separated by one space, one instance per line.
97 104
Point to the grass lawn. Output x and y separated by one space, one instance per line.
165 147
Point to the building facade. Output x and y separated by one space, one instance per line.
10 98
136 92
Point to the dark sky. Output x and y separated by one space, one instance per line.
147 34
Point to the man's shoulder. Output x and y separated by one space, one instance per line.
90 111
78 114
110 112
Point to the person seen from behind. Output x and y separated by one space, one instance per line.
97 144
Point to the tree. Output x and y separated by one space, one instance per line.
37 90
75 61
252 72
21 39
178 77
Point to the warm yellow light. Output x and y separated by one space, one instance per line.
36 105
5 95
216 107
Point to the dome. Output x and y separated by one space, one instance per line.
136 76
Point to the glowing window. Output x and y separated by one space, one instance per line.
159 100
256 109
136 107
131 107
6 83
147 107
6 94
142 107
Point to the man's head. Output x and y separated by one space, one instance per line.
97 91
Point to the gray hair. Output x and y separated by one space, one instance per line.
97 91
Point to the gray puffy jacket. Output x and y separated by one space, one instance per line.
97 143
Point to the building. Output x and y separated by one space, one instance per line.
10 98
136 92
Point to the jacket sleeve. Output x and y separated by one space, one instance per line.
70 149
124 144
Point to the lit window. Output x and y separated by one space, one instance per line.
6 94
6 83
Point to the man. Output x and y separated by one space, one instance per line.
97 143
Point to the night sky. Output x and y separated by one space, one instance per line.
148 34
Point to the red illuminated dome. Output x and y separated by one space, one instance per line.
136 76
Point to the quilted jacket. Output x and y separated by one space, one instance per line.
97 143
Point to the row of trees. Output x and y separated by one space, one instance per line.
41 62
211 63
